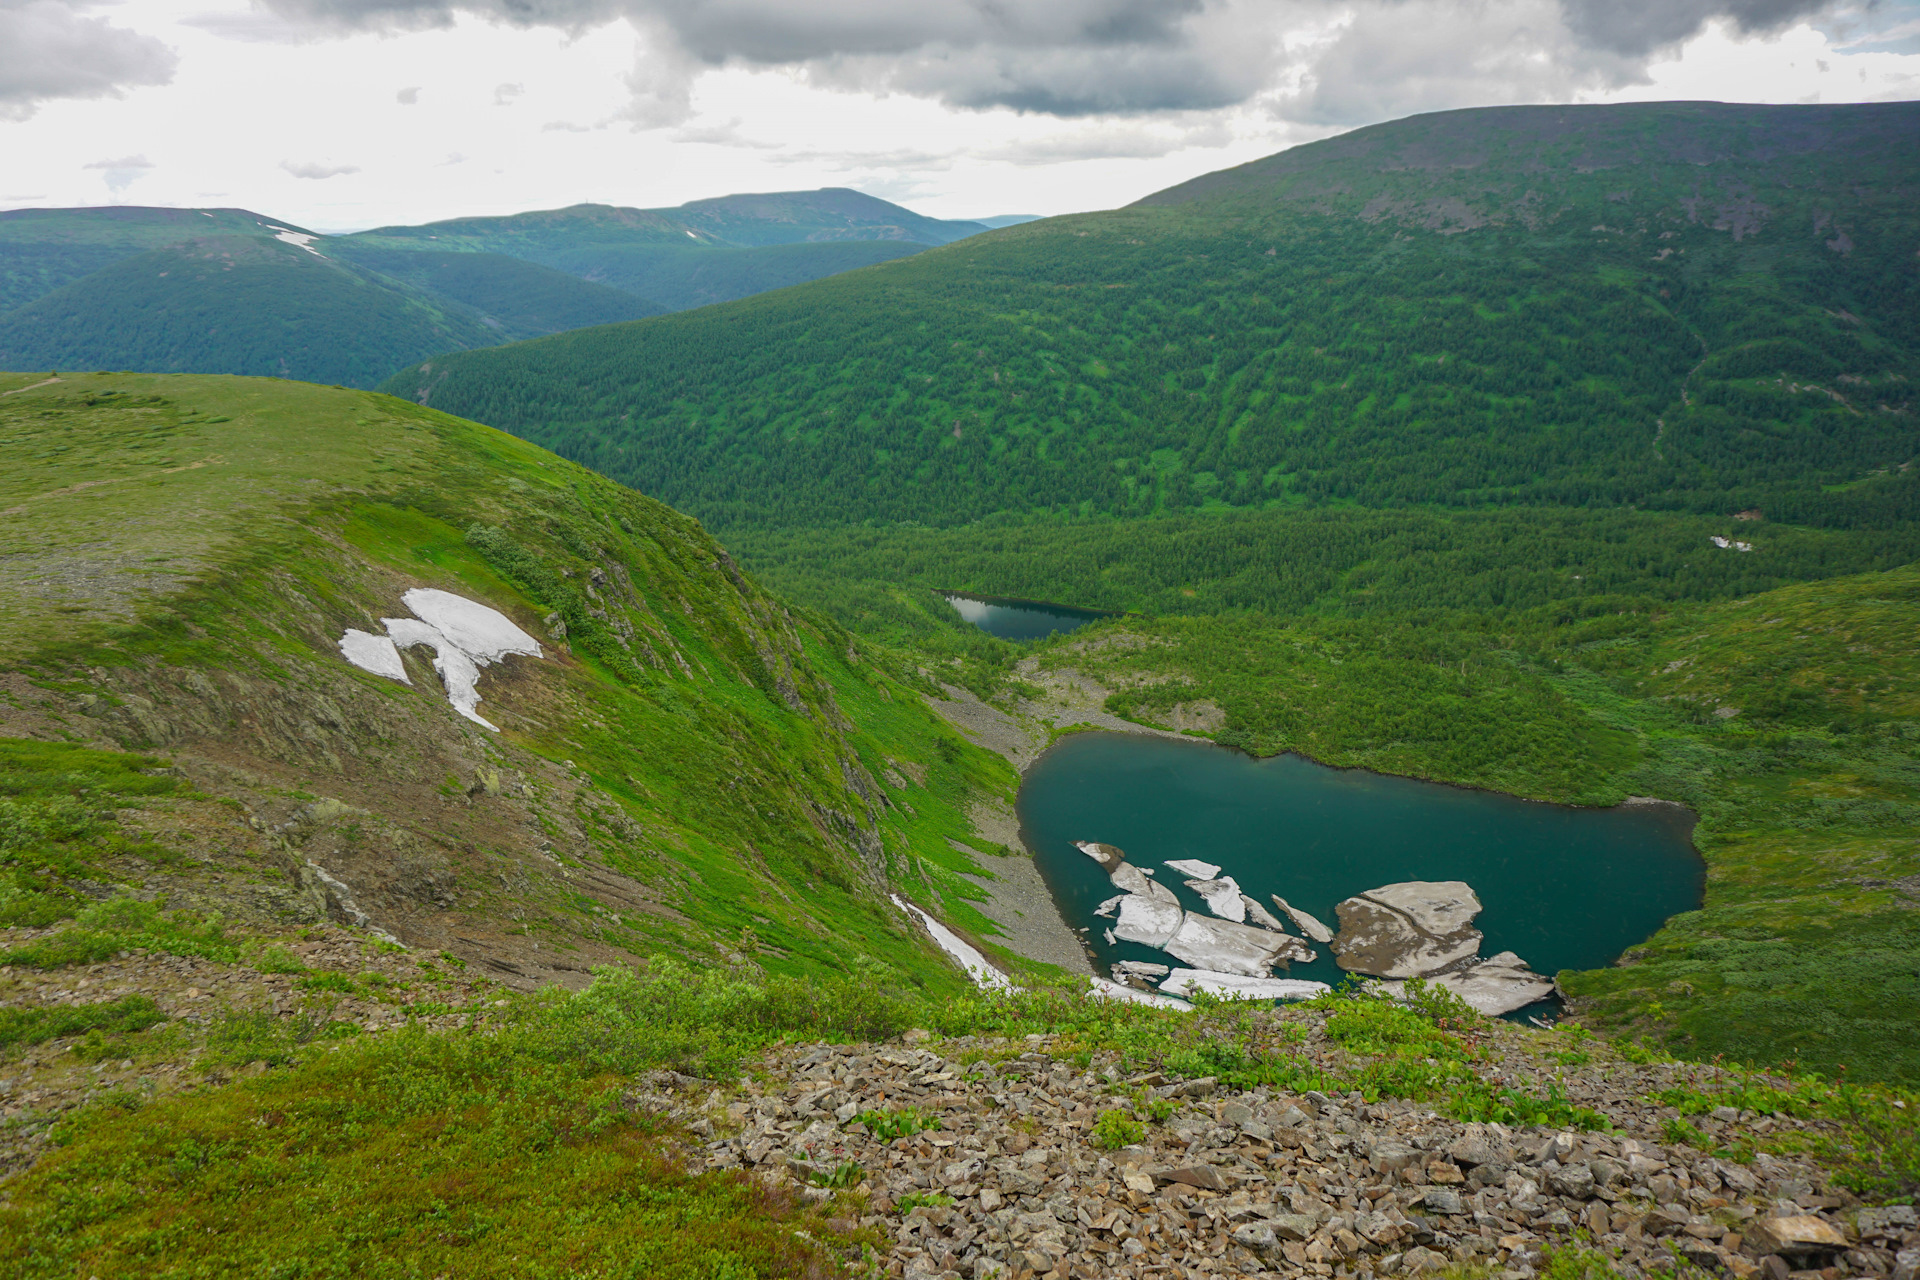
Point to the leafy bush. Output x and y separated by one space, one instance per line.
126 923
36 1026
901 1122
277 959
1115 1129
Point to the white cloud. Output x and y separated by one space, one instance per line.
409 96
49 51
316 171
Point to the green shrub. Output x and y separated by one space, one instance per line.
907 1203
277 959
901 1122
36 1026
1115 1129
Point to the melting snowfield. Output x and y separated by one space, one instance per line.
464 635
966 955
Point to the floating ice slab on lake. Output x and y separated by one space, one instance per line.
373 653
1410 930
486 635
1131 879
1141 969
964 953
1497 985
1106 989
1222 946
1260 915
1111 905
1105 854
1305 923
1222 897
1194 867
1148 921
1185 982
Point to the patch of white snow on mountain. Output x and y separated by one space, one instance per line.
458 672
373 653
966 955
486 635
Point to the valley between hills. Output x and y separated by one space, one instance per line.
1563 454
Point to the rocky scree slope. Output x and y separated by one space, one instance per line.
995 1157
688 767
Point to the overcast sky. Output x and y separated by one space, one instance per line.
341 114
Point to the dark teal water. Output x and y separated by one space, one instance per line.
1019 619
1565 888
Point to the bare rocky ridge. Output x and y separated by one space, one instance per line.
1263 1183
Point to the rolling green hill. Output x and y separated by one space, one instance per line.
1688 306
43 249
688 767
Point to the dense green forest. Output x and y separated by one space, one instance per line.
1705 333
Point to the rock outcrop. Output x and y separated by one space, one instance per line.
1410 930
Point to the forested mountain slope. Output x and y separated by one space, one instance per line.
1690 306
685 766
702 252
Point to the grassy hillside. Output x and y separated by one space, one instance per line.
1720 322
690 768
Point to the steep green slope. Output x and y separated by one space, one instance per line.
688 768
1721 322
681 276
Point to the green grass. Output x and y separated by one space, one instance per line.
22 1026
445 1154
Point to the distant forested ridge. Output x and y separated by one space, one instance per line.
1686 306
232 291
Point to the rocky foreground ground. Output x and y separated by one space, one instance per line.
1268 1183
1000 1169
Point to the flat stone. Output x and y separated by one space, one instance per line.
1440 1200
1793 1236
1257 1236
1409 930
1293 1226
1203 1176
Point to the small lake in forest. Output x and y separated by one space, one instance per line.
1019 619
1565 888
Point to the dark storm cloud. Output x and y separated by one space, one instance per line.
1635 27
48 50
1119 57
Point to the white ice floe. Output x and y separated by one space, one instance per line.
1131 879
1148 921
486 635
1187 981
1307 924
373 653
1194 867
1105 854
464 634
1221 946
1111 905
964 954
1222 897
1260 915
1107 989
1140 969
